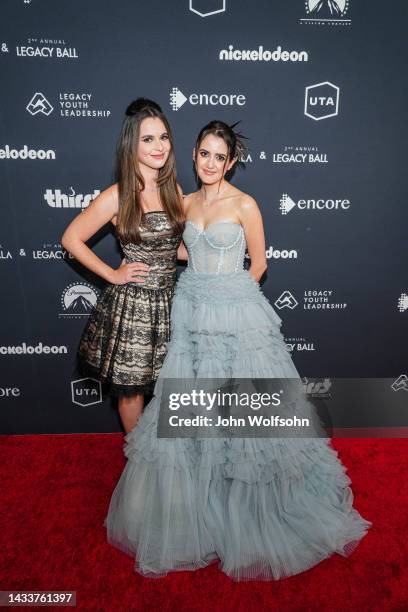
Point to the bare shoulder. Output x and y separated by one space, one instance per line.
246 206
109 201
188 200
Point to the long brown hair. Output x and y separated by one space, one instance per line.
130 179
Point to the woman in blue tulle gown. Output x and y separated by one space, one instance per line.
263 508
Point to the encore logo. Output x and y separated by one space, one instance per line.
178 99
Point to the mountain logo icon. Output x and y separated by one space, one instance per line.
286 300
401 383
327 8
78 300
39 104
326 12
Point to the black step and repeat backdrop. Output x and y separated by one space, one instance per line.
320 87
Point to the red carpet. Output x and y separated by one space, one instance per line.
56 489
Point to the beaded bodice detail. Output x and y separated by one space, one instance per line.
158 249
217 249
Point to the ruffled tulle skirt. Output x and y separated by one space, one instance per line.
262 508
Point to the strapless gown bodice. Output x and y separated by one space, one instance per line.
217 249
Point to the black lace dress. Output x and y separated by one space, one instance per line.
125 339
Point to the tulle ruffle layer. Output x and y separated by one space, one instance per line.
263 508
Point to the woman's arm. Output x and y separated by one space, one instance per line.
99 212
182 253
251 219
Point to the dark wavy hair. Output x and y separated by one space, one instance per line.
130 180
233 140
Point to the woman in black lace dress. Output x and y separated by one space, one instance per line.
124 341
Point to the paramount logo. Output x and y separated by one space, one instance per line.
178 99
262 55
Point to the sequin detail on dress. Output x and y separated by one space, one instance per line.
125 340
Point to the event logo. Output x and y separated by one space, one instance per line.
287 204
318 387
322 100
313 299
272 253
43 48
205 8
9 392
321 299
56 199
50 252
39 104
326 12
29 349
5 253
400 384
261 54
299 155
286 300
71 104
26 153
86 391
299 344
178 99
403 302
77 300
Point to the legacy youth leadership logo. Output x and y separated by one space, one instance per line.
70 104
178 99
39 104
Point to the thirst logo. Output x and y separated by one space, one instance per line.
39 104
56 199
178 99
77 300
326 12
322 101
319 387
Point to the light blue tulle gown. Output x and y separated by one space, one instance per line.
263 508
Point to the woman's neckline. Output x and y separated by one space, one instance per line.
149 212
